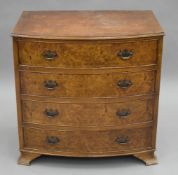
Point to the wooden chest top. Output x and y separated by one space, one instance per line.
87 24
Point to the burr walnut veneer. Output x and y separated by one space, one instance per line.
87 83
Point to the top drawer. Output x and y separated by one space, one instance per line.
87 54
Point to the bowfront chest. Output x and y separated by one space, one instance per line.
87 83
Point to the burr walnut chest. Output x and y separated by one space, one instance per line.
87 83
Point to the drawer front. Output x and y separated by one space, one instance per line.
87 114
93 85
87 141
87 54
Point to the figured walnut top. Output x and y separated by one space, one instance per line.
87 24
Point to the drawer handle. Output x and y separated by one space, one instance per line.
49 55
50 84
52 140
125 54
122 140
123 113
50 113
124 84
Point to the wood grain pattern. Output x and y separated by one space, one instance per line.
18 100
88 114
101 85
157 88
87 141
87 54
87 70
87 24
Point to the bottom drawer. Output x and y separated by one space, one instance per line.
87 142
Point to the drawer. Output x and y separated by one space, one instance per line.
92 85
83 141
88 114
89 54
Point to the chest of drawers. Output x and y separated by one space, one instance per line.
87 83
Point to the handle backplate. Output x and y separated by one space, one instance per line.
50 113
125 54
122 140
50 84
124 113
52 140
49 55
124 84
